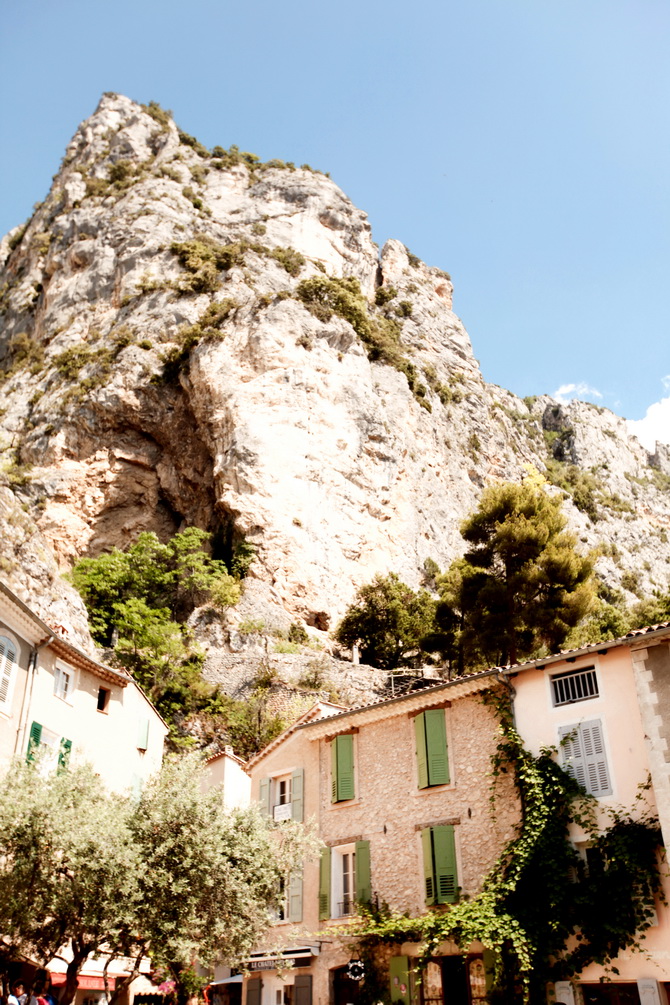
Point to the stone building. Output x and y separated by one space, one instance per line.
399 791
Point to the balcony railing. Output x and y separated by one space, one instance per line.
346 908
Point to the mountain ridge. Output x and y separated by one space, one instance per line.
192 337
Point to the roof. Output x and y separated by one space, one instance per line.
323 727
66 650
429 697
312 714
648 633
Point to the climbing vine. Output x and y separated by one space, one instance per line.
540 909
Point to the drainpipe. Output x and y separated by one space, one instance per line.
28 695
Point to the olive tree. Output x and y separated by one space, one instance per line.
172 875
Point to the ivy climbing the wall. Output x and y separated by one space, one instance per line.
540 909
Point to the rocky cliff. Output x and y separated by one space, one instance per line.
182 343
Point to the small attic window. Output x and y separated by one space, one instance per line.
103 699
575 685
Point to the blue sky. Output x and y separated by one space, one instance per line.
522 146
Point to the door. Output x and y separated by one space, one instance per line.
345 991
455 980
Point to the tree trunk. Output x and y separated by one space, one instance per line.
72 976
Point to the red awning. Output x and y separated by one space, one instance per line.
87 982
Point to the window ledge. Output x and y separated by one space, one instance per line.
345 802
429 789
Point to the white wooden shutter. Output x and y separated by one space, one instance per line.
584 756
649 992
596 761
7 661
565 993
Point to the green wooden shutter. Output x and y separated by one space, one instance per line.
264 796
64 754
142 734
436 746
302 988
421 752
297 790
324 885
446 880
344 753
428 868
295 896
399 974
34 740
489 958
363 884
333 770
254 985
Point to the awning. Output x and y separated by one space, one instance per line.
237 979
86 982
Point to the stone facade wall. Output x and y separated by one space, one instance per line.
651 667
389 810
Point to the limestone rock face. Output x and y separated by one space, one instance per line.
273 423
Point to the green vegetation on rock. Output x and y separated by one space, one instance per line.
324 296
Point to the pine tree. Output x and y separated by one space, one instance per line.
522 585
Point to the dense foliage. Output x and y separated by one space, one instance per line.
85 870
387 621
522 585
541 891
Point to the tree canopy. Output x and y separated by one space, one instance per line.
138 601
172 875
522 585
387 621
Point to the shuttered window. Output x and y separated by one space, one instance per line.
297 790
64 754
295 896
584 757
264 796
363 884
439 864
142 734
34 740
324 885
431 748
7 663
342 768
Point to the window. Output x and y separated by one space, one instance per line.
584 757
281 797
342 768
344 879
142 734
103 699
51 750
290 898
439 864
7 664
431 748
575 685
62 683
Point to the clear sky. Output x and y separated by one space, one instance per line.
523 146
